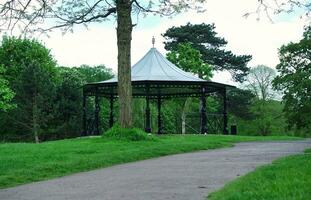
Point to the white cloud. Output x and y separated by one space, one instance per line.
261 39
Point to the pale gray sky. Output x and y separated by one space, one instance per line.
261 39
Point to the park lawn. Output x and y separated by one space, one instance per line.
287 178
22 163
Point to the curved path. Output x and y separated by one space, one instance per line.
181 177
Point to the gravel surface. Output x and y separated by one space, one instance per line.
189 176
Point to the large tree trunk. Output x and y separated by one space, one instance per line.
124 36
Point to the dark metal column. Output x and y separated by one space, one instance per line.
148 124
111 112
203 128
159 116
96 114
84 131
225 114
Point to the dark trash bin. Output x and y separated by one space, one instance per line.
233 130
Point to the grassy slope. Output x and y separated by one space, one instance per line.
285 179
22 163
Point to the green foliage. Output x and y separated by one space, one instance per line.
129 134
48 99
265 114
286 178
189 59
203 38
267 118
31 72
295 82
68 115
240 102
171 116
16 53
261 115
22 163
6 94
95 73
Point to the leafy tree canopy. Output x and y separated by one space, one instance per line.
189 59
294 80
204 38
259 81
6 94
95 74
31 72
240 102
16 53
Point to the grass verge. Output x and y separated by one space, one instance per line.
287 178
23 162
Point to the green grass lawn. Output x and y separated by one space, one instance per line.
24 162
285 179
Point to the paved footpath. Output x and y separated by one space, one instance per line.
189 176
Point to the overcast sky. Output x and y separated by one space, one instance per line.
261 39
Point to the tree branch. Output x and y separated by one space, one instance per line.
80 20
274 7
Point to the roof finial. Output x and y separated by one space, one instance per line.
153 41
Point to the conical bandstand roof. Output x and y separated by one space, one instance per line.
155 76
155 67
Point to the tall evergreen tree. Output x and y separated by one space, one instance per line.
203 37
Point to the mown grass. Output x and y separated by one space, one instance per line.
287 178
24 162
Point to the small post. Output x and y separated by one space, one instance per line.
159 116
203 128
96 117
225 113
111 112
148 123
84 131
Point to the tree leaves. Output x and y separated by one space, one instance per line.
294 80
203 38
189 59
6 94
